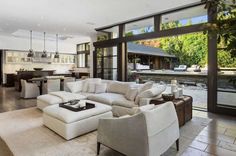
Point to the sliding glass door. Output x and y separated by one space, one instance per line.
106 63
226 80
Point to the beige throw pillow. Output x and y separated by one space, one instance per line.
89 80
91 87
151 93
100 88
146 86
131 94
75 87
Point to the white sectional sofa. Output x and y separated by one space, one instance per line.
124 97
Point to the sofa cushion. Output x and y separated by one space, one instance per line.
75 87
155 91
100 88
131 93
106 98
49 99
89 80
146 86
68 116
91 87
86 94
150 93
124 103
118 87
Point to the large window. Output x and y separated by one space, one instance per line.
107 34
139 27
191 16
107 63
83 55
226 79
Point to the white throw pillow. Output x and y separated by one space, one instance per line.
146 86
151 93
100 88
75 87
89 80
91 87
118 87
131 94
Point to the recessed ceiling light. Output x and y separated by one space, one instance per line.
38 25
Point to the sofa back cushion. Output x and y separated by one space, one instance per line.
75 87
131 93
118 87
100 88
89 80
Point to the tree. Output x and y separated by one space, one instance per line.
224 25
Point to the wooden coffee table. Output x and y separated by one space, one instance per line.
183 107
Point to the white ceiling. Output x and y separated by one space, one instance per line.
75 17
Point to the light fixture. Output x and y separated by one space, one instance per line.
31 53
44 51
57 53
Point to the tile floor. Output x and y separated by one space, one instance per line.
217 138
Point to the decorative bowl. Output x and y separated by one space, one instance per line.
168 97
38 69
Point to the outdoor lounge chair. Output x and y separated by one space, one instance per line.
181 68
194 68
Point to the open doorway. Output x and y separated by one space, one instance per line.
160 60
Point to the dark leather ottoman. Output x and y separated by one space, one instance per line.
183 107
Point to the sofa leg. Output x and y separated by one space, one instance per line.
98 147
177 144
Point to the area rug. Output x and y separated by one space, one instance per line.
22 134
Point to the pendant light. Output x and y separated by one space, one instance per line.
31 53
44 55
57 53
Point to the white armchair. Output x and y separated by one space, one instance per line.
149 133
29 90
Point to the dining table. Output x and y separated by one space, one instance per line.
42 80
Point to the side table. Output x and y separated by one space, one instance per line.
183 107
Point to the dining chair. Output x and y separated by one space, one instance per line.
52 85
29 90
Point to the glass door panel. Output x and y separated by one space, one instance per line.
226 80
106 66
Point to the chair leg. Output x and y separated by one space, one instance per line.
177 144
98 147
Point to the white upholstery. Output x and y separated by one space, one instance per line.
56 98
116 94
101 88
68 116
181 68
151 134
70 124
66 80
29 90
52 85
118 87
146 86
89 80
106 98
